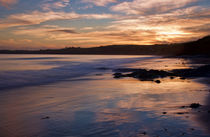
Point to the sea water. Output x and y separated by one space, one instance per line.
76 96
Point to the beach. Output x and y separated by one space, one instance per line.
78 96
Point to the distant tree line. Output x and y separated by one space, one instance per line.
201 46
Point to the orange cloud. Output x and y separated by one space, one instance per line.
55 33
7 3
142 22
178 25
87 28
130 29
37 17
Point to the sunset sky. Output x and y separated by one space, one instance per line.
41 24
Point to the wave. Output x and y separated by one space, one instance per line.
64 70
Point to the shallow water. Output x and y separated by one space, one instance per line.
74 95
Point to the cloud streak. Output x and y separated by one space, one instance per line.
37 17
148 7
50 4
99 2
126 22
93 38
65 31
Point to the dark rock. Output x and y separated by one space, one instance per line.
183 106
182 78
47 117
197 72
118 75
142 74
164 113
181 113
158 81
183 133
195 105
192 129
171 77
149 75
125 70
144 133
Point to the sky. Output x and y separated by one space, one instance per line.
54 24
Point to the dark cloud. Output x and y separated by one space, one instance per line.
65 31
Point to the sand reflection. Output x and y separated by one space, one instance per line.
98 105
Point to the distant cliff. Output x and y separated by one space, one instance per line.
201 46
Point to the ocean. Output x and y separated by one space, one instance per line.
77 96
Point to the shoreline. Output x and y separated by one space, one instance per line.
200 73
127 105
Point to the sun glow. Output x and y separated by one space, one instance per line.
53 25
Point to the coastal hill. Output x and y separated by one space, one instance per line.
201 46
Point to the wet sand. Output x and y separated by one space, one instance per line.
99 105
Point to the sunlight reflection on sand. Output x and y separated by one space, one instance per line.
100 105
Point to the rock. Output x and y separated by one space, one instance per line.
181 113
183 107
183 134
142 74
164 113
126 70
171 77
47 117
149 75
158 81
192 129
195 105
182 78
118 75
144 133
